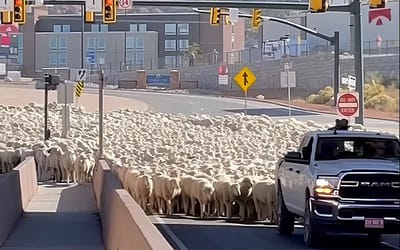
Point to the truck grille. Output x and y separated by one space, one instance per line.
370 186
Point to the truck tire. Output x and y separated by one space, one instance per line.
285 219
312 236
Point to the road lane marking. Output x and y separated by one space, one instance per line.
390 245
171 234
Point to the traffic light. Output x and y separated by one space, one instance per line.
109 11
215 16
19 11
318 5
373 4
257 18
6 17
89 17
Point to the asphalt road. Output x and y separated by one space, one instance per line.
189 104
184 232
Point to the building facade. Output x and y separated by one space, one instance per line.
136 41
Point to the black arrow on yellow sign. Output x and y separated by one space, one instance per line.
245 81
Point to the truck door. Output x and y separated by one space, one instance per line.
301 172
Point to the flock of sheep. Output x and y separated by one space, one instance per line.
198 164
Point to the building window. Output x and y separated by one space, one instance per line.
97 44
139 43
53 58
170 45
101 43
170 61
183 29
61 28
101 57
104 28
170 29
130 43
58 53
133 27
91 43
62 43
62 58
53 43
66 28
134 51
139 59
142 27
56 28
95 28
183 45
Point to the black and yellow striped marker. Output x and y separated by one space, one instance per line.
79 89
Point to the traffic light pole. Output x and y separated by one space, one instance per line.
358 59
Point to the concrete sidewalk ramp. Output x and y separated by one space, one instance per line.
60 216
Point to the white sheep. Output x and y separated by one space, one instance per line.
165 190
143 190
261 197
202 191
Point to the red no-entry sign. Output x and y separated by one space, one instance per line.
348 104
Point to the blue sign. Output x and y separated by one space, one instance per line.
158 80
91 57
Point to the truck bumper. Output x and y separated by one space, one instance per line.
350 217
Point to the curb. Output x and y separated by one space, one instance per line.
309 109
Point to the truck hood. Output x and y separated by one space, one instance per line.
337 166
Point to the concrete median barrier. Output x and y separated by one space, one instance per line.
16 189
124 223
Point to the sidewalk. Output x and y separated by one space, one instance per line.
59 216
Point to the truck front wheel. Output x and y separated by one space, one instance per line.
311 235
285 218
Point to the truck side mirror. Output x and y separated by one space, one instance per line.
293 155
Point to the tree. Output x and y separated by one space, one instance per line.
194 49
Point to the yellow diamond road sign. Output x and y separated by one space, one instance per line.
245 79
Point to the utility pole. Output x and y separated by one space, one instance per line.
101 107
358 59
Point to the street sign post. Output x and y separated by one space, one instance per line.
348 104
245 79
288 80
223 77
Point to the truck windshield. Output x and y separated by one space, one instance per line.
357 148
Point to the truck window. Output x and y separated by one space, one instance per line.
344 148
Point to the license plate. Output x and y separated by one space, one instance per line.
374 223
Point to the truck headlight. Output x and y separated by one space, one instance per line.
326 185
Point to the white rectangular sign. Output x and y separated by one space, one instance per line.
234 14
291 78
93 5
223 79
78 74
65 92
352 81
6 5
